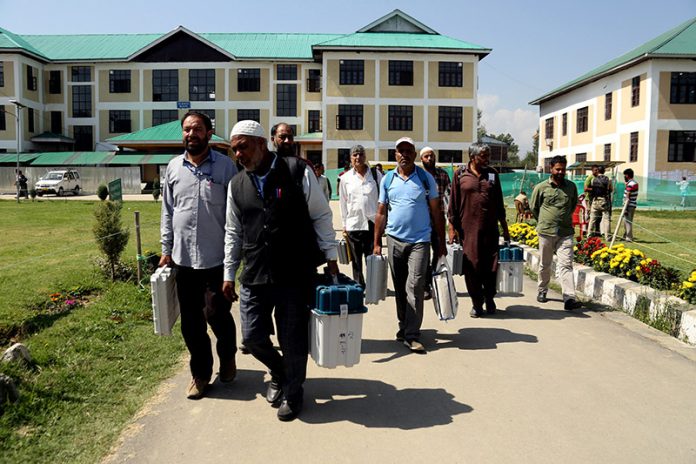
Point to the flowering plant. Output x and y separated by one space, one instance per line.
619 261
585 248
63 300
687 290
524 233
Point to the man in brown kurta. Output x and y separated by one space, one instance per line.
476 206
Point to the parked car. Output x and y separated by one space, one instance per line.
59 182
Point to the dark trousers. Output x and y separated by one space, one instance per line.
481 285
435 246
256 306
361 244
200 300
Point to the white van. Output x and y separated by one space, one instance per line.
59 182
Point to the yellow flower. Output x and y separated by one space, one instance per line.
687 285
628 273
637 268
604 255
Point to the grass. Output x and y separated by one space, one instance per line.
94 366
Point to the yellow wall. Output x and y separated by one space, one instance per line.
220 85
467 90
368 132
605 127
261 95
599 152
29 94
104 123
8 70
401 91
106 96
625 153
184 85
386 134
662 152
582 137
53 97
309 96
466 136
147 85
633 114
10 122
563 140
665 110
264 116
333 89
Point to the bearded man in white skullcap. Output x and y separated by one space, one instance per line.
280 226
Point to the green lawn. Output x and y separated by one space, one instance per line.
96 365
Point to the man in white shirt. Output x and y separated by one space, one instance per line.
359 192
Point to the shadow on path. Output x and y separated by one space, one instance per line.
373 403
541 312
246 387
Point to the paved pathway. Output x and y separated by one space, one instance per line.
529 384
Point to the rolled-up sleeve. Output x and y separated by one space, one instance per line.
166 230
233 238
320 214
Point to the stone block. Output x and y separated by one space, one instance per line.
687 328
16 352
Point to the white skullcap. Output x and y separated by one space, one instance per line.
425 150
248 127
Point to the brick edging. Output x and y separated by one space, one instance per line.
673 315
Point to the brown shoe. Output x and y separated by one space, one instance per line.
228 370
196 389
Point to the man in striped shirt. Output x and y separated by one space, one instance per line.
630 199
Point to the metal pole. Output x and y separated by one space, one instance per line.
139 250
18 107
618 223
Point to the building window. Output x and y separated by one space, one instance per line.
580 157
564 124
83 138
165 85
607 106
682 146
343 157
400 118
449 156
2 74
3 119
286 72
607 152
683 89
31 79
633 155
249 80
254 115
351 72
391 154
449 119
164 116
314 81
314 156
119 121
548 128
450 74
350 117
80 74
581 116
400 72
54 84
202 84
82 101
120 81
210 114
30 120
314 118
286 104
635 91
56 122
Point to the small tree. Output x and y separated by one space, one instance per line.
111 236
32 194
102 192
156 192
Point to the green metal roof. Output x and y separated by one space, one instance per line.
310 136
72 158
12 157
679 42
399 40
11 40
126 159
158 159
168 132
91 46
269 45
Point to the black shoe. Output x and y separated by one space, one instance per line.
244 349
289 410
274 392
490 306
570 305
476 312
541 297
400 336
427 295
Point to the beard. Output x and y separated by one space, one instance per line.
196 146
285 150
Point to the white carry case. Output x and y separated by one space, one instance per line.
335 339
444 293
455 258
510 276
344 251
376 279
165 304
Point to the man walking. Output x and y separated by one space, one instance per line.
193 231
631 201
427 157
358 200
279 225
553 203
408 202
600 211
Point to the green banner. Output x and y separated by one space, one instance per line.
115 190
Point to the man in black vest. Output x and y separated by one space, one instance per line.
280 225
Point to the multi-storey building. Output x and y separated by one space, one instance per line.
392 78
639 108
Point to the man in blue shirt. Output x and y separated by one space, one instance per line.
408 205
194 199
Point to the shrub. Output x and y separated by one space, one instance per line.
156 192
687 289
122 270
111 236
102 192
32 194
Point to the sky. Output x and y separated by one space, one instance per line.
537 45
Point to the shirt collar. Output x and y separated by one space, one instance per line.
212 156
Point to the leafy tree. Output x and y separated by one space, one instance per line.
111 236
532 156
156 192
102 192
480 128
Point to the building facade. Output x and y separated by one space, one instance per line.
639 109
392 78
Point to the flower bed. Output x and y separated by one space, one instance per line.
687 289
522 232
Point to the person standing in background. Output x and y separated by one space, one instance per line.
631 203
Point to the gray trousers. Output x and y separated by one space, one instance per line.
600 217
562 247
409 267
628 222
